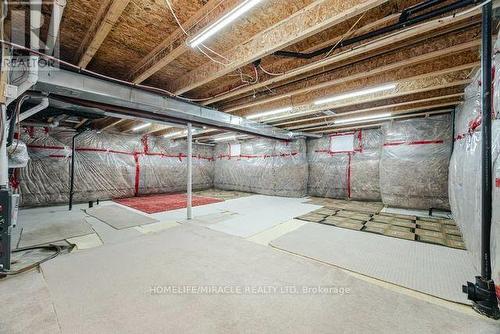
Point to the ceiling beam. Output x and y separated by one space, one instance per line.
415 85
451 68
377 122
383 106
309 126
380 44
378 65
109 12
175 44
318 16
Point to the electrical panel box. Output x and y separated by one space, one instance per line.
5 229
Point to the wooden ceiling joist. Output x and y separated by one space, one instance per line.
383 106
312 19
376 66
175 44
377 123
109 12
329 120
366 48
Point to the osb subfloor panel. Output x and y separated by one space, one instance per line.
356 216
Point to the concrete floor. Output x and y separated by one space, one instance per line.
121 284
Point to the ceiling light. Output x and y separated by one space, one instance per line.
142 126
269 113
174 134
355 94
360 119
222 22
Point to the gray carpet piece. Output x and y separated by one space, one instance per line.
431 269
110 289
26 305
119 217
52 229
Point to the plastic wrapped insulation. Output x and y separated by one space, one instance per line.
18 154
414 163
105 165
108 165
262 166
364 169
328 171
163 166
346 173
44 181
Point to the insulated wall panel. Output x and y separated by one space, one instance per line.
46 177
414 163
262 166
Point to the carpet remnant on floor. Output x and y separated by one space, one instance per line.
164 202
437 231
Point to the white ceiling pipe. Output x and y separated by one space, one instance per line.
55 23
44 103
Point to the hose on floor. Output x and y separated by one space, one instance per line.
55 248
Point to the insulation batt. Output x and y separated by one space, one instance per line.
353 174
465 171
108 165
414 163
263 166
44 180
365 174
164 168
327 172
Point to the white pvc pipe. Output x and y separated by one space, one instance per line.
35 23
190 172
39 107
55 23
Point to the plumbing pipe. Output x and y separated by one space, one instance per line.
482 293
55 22
403 24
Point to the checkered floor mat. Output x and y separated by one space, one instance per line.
437 231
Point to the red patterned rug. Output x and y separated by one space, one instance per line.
164 202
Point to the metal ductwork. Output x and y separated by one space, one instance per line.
55 22
77 92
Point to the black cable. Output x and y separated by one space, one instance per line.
57 250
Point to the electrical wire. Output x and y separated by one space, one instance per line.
345 35
57 250
270 73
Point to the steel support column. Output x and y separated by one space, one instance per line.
189 171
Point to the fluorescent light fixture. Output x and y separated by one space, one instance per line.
222 22
361 119
142 126
355 94
269 113
174 134
225 138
